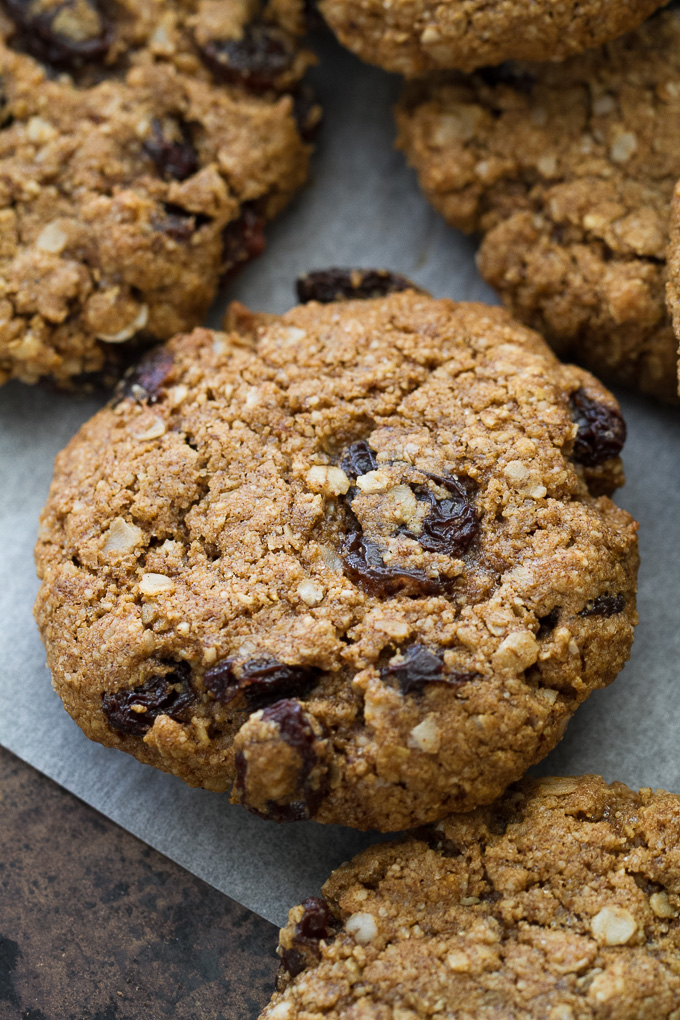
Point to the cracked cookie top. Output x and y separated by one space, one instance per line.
357 562
567 170
559 901
143 146
413 37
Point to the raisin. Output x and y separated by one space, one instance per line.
171 151
169 695
315 924
419 667
293 961
145 380
508 74
601 430
605 605
255 61
242 239
452 524
297 732
547 623
316 921
450 527
327 285
358 459
64 34
365 566
262 681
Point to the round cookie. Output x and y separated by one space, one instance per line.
413 37
143 145
355 560
559 902
568 172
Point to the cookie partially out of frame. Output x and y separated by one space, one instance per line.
559 902
354 562
143 146
568 172
413 37
673 283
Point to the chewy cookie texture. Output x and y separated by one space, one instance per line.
413 37
143 145
357 562
559 902
673 285
567 170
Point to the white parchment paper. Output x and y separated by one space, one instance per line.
363 208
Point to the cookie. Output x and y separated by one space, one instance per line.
568 172
418 36
561 901
355 562
143 146
673 282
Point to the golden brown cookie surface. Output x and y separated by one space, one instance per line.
560 901
568 171
673 280
143 146
364 570
413 37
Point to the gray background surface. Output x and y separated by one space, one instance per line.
362 208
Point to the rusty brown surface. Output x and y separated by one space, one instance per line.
95 925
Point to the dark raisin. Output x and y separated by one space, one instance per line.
420 667
293 961
508 74
145 380
297 732
365 566
452 524
170 149
547 623
605 605
133 711
255 61
601 430
262 681
358 459
242 239
327 285
316 921
64 34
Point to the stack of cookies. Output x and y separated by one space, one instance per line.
359 562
